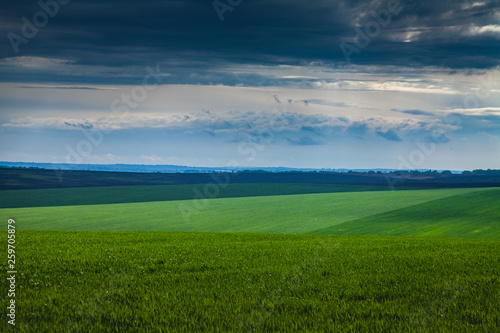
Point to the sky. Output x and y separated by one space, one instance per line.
399 84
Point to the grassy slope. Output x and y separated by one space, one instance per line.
473 215
192 282
126 194
283 214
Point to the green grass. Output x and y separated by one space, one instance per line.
473 215
194 282
273 214
109 267
126 194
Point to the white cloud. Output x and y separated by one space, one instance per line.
469 5
150 158
36 62
487 29
48 123
486 111
299 77
402 86
66 86
244 126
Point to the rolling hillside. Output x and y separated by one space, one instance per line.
471 215
324 213
127 194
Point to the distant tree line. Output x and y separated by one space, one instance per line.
423 172
21 167
490 172
482 172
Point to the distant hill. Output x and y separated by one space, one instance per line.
18 179
174 168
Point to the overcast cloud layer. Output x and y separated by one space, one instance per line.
105 37
351 84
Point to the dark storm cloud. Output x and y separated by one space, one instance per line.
187 35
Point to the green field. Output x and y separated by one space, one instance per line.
143 258
193 282
326 213
474 215
127 194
